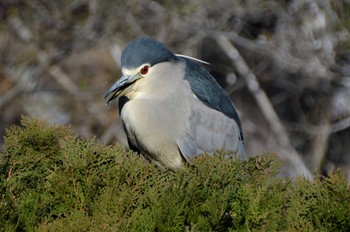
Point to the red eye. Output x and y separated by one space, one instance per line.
144 70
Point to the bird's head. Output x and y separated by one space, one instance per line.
139 60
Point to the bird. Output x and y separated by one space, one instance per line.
171 108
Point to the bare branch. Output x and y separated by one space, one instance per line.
287 151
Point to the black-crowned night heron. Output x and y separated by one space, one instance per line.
171 108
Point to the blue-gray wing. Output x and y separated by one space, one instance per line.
209 130
207 89
213 122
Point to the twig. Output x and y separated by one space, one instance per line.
288 153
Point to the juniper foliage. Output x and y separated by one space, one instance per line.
52 180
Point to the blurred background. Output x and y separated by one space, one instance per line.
285 65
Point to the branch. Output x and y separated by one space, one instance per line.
287 151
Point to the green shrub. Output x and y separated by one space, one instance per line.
51 180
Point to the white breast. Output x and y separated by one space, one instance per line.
156 115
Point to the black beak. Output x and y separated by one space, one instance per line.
118 88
